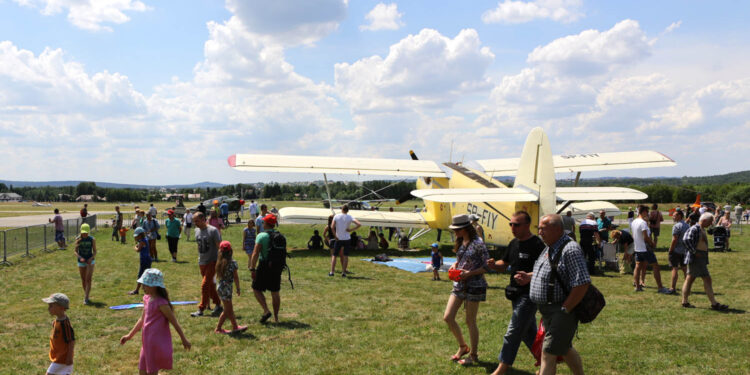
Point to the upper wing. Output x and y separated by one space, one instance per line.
476 195
340 165
600 161
298 215
597 193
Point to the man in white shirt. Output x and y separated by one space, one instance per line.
643 256
253 209
341 229
187 219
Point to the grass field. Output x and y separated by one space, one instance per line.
379 321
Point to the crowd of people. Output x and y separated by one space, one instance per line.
548 273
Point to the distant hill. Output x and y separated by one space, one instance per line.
729 178
199 185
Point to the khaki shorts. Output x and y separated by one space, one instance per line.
559 329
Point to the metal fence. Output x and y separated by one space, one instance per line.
22 241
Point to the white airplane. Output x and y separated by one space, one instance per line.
454 188
38 204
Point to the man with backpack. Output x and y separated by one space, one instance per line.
269 255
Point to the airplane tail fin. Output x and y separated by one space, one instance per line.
697 203
536 171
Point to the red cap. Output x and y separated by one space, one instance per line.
270 219
170 212
225 246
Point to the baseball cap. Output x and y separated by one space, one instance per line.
59 299
435 245
270 219
225 246
152 277
170 212
85 228
138 231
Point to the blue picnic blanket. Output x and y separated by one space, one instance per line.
414 265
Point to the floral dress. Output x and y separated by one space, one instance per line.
224 288
469 258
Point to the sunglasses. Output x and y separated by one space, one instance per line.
516 224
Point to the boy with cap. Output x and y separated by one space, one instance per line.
265 277
62 340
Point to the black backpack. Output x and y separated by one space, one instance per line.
277 254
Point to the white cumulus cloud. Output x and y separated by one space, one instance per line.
423 70
513 12
89 14
383 17
594 52
290 22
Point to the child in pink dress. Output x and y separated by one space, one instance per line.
156 339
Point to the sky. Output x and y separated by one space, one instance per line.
162 92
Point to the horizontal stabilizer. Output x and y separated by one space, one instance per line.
476 195
334 165
319 216
598 193
580 209
600 161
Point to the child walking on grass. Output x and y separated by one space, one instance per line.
85 251
62 340
437 261
123 232
226 271
248 240
156 338
141 247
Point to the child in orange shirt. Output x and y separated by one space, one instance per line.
123 232
62 340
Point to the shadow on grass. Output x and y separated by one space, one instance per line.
348 276
242 336
98 305
290 324
489 367
734 311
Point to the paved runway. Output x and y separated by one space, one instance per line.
22 221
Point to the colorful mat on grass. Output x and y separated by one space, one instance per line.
414 265
136 305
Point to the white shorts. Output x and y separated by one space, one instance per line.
60 369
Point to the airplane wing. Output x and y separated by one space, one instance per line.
299 215
476 195
580 209
600 161
336 165
589 193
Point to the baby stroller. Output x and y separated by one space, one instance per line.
720 238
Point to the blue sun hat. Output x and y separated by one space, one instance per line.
152 277
435 245
138 231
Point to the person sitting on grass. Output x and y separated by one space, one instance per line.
372 241
86 254
696 257
62 340
141 247
383 243
315 242
226 270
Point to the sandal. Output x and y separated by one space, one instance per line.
687 305
239 329
472 359
719 307
462 351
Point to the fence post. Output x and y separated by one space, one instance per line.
26 229
44 229
5 251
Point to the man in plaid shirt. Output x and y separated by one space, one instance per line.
560 323
696 259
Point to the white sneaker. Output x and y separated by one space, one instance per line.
663 290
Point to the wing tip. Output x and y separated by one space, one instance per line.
232 160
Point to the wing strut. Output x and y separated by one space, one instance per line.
496 210
330 203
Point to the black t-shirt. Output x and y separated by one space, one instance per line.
625 238
317 241
521 256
